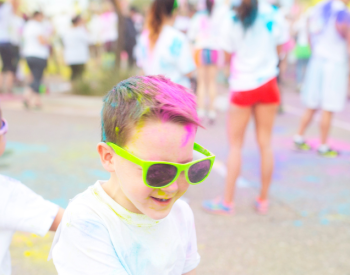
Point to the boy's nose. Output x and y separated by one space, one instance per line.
171 188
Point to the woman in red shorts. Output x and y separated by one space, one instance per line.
251 37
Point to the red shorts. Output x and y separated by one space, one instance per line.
265 94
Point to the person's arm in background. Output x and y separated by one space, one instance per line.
57 220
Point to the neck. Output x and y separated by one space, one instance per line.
169 21
114 190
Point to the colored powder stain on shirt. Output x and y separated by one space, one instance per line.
269 26
175 47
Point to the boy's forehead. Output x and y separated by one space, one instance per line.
162 137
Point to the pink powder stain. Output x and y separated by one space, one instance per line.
190 132
334 143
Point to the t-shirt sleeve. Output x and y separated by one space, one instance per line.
228 35
181 49
192 256
25 210
83 246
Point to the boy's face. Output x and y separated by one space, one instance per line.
154 141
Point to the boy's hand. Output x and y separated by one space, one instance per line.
57 220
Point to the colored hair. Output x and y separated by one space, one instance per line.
247 13
76 19
142 98
159 11
210 6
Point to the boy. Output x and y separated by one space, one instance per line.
134 224
21 210
327 75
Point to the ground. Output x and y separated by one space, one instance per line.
53 151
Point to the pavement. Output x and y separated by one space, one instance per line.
306 232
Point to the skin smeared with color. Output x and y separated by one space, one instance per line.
157 141
155 120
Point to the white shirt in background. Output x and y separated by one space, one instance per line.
171 56
204 30
17 25
182 23
109 29
329 44
21 210
98 236
31 44
255 57
5 22
95 27
76 46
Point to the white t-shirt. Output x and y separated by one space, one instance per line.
31 45
204 30
255 58
5 22
17 25
171 56
329 44
76 46
300 27
94 27
98 236
21 210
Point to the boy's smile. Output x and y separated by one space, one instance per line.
154 141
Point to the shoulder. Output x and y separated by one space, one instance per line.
174 33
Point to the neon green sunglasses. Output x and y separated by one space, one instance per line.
160 174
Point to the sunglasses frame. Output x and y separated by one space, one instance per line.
145 164
3 127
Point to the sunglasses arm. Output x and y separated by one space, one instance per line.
125 154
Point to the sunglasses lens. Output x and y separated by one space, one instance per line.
159 175
199 171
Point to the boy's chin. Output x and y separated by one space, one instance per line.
157 214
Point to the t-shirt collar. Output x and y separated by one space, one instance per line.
131 218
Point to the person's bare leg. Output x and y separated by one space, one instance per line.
264 115
305 121
212 87
201 89
325 125
9 82
237 123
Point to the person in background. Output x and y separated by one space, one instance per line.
76 47
36 50
6 76
130 34
327 74
162 49
251 37
203 32
109 31
21 210
17 25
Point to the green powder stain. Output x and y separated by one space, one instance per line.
117 130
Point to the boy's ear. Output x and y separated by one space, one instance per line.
106 156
